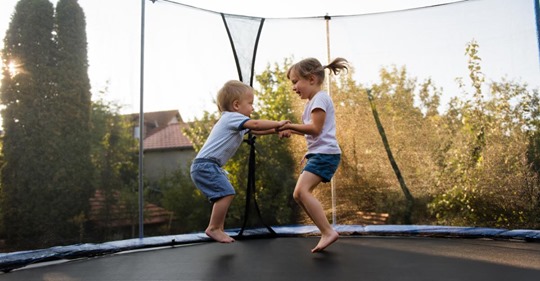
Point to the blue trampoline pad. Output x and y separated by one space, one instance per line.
289 258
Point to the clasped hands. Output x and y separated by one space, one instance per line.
283 129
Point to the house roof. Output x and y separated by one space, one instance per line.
156 120
119 215
163 130
159 118
170 137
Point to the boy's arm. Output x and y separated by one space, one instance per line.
264 127
264 132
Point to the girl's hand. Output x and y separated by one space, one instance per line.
281 124
283 127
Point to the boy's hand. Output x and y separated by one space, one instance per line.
285 134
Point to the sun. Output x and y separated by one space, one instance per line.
13 68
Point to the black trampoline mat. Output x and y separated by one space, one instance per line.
289 258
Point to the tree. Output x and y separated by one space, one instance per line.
485 176
367 181
46 176
114 153
71 108
189 205
27 93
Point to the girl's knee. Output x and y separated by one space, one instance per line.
299 194
296 196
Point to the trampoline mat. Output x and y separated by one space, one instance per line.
289 258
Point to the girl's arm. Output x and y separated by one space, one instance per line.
314 128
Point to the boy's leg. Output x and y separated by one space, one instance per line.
216 225
302 194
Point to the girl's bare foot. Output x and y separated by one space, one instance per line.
325 241
219 235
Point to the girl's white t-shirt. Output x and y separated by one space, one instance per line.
326 142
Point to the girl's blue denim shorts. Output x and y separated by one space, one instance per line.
322 165
211 179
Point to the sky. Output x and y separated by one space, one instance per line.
187 55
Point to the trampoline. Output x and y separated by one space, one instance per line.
362 253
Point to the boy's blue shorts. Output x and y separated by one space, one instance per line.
322 165
211 179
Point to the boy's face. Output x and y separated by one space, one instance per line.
245 104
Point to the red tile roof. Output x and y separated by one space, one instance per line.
163 130
159 118
169 137
119 216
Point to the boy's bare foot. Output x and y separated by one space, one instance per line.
325 241
219 235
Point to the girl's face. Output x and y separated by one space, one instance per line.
245 104
305 88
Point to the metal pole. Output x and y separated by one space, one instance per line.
327 18
537 17
141 128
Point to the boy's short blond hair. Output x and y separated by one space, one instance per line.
231 91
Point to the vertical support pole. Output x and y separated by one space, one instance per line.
141 127
327 19
537 17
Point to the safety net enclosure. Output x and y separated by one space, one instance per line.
437 120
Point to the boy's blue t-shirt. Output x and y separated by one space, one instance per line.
225 138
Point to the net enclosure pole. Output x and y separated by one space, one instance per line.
537 20
141 123
327 19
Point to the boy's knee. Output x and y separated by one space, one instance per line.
224 198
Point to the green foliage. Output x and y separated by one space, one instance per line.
114 150
530 106
485 177
198 130
115 158
191 209
275 174
471 165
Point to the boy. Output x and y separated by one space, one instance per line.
235 102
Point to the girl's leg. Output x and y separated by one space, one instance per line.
216 226
303 195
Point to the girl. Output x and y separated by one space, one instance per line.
319 128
